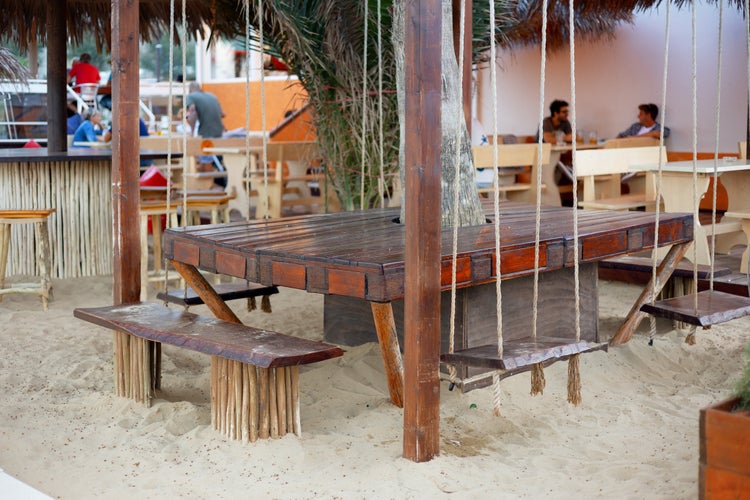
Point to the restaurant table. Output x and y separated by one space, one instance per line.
361 255
677 195
234 160
78 184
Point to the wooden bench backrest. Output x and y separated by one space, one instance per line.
160 143
591 163
280 152
631 142
742 147
510 155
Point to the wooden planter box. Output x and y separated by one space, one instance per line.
724 452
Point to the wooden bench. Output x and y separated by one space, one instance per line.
512 155
254 372
744 221
601 171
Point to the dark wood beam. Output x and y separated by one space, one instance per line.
468 34
125 152
57 130
422 213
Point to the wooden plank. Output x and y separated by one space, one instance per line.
712 307
635 264
226 291
385 326
207 294
520 353
263 348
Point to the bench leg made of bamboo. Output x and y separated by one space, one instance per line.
251 403
137 367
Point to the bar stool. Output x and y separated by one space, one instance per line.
154 210
39 219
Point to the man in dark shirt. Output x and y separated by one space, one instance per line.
205 109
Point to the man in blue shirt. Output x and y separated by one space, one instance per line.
86 132
646 126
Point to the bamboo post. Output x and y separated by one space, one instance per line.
289 412
237 384
263 427
252 376
295 400
214 392
245 419
281 399
273 415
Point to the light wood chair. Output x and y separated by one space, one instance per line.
631 142
513 155
39 218
742 147
286 189
608 166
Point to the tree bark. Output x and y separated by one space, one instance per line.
453 124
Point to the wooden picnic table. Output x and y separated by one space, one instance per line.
361 255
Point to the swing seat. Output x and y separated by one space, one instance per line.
521 353
713 307
227 291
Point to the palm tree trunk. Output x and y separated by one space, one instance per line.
455 136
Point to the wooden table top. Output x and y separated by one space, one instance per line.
361 254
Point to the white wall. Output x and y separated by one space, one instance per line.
614 77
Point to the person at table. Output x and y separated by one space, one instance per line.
646 126
87 131
204 112
83 72
557 122
74 117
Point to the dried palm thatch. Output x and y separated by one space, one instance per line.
26 20
10 68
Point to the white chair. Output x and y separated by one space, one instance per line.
88 92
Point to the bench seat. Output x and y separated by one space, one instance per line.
254 372
624 202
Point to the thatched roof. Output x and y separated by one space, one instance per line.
26 19
594 19
10 68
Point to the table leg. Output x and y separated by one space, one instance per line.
197 282
385 326
663 272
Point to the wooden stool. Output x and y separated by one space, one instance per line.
39 219
154 211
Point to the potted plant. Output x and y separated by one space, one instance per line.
725 443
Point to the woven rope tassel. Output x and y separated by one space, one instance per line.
574 381
265 304
251 304
538 381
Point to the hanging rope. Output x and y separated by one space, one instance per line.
655 251
266 201
363 148
456 168
716 147
574 376
537 370
169 140
251 303
381 160
690 339
496 209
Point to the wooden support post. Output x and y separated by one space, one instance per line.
423 33
57 15
663 272
197 282
125 151
385 326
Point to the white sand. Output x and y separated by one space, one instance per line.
63 431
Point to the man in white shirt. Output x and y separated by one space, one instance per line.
646 126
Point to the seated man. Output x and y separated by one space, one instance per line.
646 126
557 123
88 132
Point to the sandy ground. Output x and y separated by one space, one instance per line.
63 431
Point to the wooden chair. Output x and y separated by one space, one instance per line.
610 164
742 147
285 189
39 218
631 142
513 155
